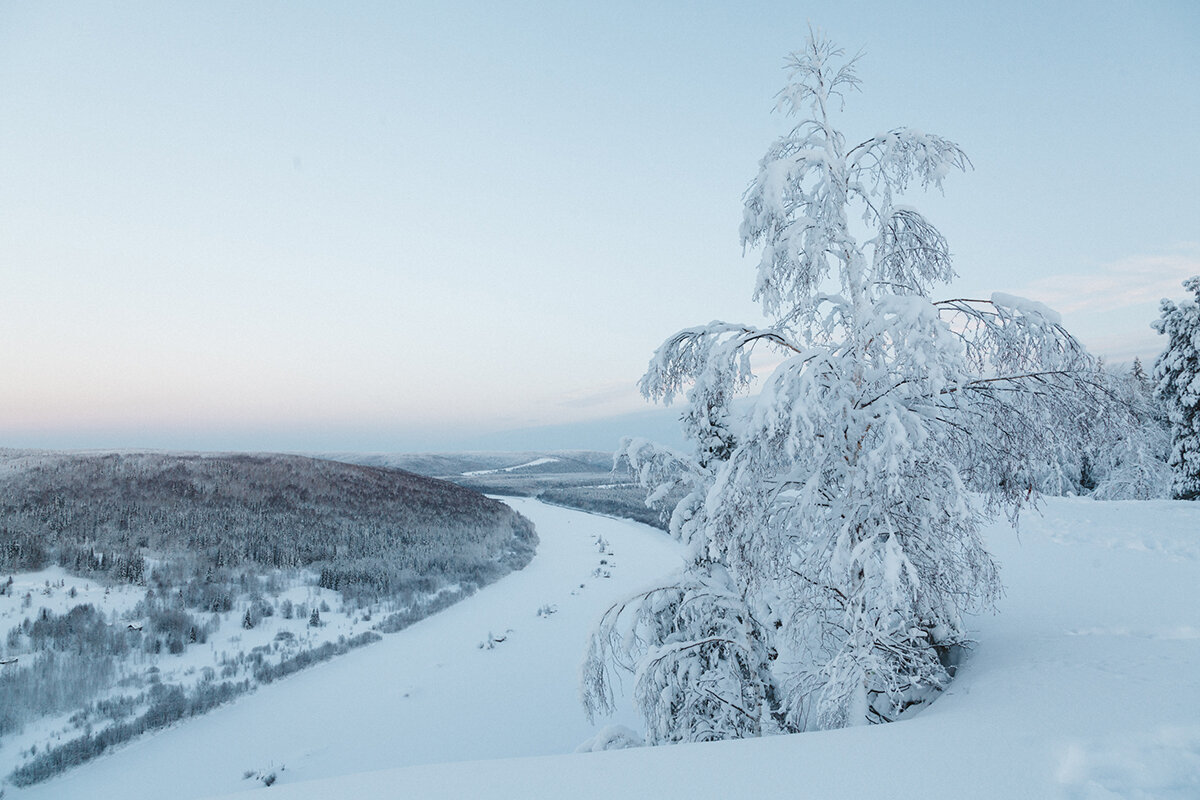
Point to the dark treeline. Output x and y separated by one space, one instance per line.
609 493
372 532
582 479
628 502
266 673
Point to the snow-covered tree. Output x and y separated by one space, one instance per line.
1177 381
833 538
1125 457
1129 458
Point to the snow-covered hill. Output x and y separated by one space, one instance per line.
1084 685
430 693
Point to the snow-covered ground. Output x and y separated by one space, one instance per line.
537 462
230 649
430 693
1085 685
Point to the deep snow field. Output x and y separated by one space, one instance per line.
1086 684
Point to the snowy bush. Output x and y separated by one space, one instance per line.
611 737
834 540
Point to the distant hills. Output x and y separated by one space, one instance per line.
452 466
582 479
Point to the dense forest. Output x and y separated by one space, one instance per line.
371 532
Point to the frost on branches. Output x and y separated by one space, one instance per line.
1125 457
1129 459
1177 381
833 533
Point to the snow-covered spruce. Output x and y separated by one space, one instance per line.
1177 381
1128 459
1125 457
834 545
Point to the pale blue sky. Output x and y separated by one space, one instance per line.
424 225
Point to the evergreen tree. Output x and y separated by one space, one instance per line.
1137 373
1177 382
1130 456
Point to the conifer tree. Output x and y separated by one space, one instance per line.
1177 382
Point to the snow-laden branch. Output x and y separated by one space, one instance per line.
834 528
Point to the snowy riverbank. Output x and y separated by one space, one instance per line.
1082 686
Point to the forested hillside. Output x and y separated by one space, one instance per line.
369 530
143 588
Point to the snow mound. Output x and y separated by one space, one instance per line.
613 737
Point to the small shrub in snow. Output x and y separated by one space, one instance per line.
611 737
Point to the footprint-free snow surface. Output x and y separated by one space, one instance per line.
1086 684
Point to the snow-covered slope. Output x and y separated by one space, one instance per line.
427 694
537 462
1085 685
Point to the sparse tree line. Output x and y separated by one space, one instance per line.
54 683
618 501
1151 447
266 673
68 659
78 655
167 704
607 489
